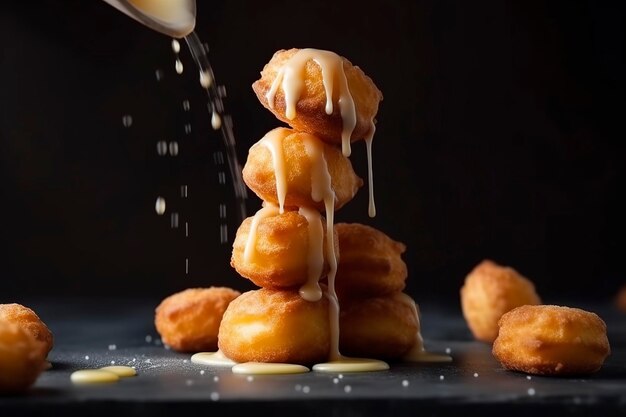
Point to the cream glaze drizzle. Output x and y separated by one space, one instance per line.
258 368
212 358
351 365
102 375
321 189
268 210
417 353
371 211
266 368
290 78
273 140
311 291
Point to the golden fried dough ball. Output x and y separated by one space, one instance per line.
378 327
489 291
275 326
311 103
370 262
21 357
189 320
27 319
280 257
620 299
300 173
551 340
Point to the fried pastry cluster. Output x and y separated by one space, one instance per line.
25 342
489 291
551 340
302 262
189 320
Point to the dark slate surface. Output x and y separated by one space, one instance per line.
96 333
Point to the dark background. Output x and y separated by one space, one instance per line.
501 135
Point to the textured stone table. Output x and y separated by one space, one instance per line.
99 332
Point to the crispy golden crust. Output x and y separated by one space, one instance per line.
551 340
280 258
370 262
259 175
275 326
189 320
378 327
27 319
21 358
489 291
311 108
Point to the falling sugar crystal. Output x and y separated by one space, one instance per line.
205 79
127 120
161 147
160 205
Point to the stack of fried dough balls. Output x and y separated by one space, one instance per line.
284 248
25 342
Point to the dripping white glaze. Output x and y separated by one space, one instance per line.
266 368
321 182
290 79
273 140
250 368
212 358
268 210
417 353
344 364
371 211
321 189
311 291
